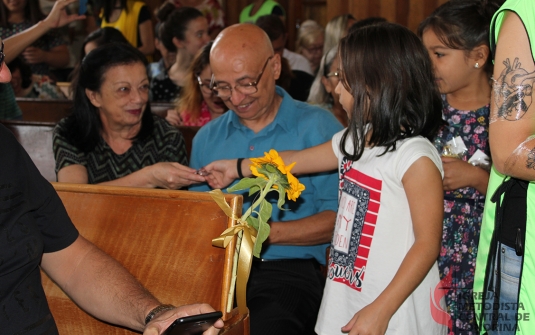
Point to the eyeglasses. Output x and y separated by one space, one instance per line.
225 92
2 55
333 74
205 88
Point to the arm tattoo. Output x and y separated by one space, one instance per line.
530 163
525 150
513 91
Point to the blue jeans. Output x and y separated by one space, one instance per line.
508 305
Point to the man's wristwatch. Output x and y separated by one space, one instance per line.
157 310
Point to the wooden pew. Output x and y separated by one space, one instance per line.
39 110
36 138
163 238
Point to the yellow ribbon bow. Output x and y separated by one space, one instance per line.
247 235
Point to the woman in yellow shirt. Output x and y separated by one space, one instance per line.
133 19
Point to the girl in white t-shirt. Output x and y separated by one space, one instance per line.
382 274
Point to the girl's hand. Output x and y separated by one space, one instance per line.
221 173
371 320
459 174
58 17
173 117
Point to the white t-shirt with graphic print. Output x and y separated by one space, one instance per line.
373 234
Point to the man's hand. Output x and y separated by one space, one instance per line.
220 174
159 324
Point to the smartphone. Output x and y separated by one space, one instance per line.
193 325
82 7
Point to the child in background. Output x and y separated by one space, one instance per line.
382 265
456 36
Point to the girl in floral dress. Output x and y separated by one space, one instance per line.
456 36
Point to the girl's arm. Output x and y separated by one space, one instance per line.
512 110
459 174
423 186
320 158
57 17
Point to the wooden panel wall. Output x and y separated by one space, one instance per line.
406 12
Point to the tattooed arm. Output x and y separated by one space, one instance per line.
512 119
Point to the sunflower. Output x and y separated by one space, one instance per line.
271 166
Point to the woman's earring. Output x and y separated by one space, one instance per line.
476 66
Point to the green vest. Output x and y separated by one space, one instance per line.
525 9
265 9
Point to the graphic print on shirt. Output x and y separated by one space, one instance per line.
355 225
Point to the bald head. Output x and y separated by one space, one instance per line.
245 40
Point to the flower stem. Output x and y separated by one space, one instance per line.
263 193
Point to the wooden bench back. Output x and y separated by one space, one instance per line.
163 238
36 138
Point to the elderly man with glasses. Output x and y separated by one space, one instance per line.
286 284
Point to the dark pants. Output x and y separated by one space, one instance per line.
284 297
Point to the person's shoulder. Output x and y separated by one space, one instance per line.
216 126
311 120
417 146
164 127
6 136
61 126
314 113
417 142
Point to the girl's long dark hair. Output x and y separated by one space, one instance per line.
390 76
83 127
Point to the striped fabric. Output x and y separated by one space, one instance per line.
166 144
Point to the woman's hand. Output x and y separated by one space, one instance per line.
171 175
34 55
164 320
221 173
371 320
173 117
459 174
58 17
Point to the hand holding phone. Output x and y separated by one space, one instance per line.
193 325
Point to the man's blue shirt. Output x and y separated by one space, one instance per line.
296 126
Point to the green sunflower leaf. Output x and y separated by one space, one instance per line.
245 183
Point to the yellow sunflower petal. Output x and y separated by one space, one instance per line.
295 188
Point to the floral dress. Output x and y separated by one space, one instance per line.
463 212
200 121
